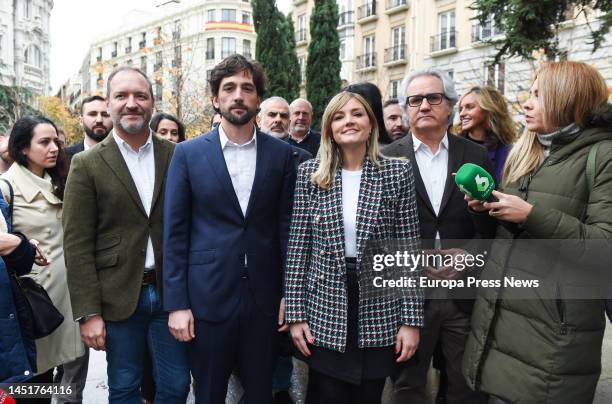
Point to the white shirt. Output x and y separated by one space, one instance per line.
241 161
351 181
433 169
142 169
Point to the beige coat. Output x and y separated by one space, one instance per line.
38 214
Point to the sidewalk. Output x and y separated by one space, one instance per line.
96 389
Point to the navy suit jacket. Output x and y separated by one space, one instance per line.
206 235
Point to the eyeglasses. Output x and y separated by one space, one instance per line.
432 99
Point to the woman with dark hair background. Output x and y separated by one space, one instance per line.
168 126
372 95
38 178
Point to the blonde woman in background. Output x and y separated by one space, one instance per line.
538 345
485 119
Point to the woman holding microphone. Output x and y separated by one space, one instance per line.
543 344
346 197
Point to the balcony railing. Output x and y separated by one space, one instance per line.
346 18
366 61
210 54
483 32
443 41
114 54
142 44
395 54
391 4
128 49
367 10
247 54
300 35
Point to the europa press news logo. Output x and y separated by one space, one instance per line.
5 398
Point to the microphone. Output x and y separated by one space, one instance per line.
475 181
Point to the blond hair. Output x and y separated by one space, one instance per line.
568 92
330 157
499 121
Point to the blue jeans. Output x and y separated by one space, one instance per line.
125 350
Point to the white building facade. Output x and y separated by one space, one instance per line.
25 44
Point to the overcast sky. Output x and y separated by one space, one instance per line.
76 24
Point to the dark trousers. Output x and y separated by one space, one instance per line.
247 341
323 389
444 322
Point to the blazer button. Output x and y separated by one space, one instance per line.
322 276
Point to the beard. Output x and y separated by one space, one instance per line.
135 127
98 137
277 135
238 120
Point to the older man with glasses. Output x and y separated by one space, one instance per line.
427 100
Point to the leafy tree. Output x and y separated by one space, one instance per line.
293 64
58 112
15 102
530 26
323 63
272 48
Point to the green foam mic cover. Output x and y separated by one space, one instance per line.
475 181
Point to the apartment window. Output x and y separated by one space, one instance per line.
176 33
114 52
210 48
143 64
128 48
446 36
246 48
485 31
159 90
394 88
208 75
228 14
33 56
398 44
228 47
494 76
301 34
143 40
246 17
302 62
369 51
158 61
178 56
27 8
211 15
99 57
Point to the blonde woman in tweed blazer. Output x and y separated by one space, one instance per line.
347 196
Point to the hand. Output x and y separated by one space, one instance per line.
446 272
93 333
282 327
181 325
475 204
406 342
8 243
40 258
300 333
510 208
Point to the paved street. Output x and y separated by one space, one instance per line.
96 389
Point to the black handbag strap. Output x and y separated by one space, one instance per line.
10 202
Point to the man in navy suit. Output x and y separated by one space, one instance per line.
227 215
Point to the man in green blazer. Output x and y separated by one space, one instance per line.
113 208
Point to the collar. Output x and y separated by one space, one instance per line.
225 140
123 144
302 139
416 143
30 184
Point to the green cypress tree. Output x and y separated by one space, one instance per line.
323 63
271 46
293 64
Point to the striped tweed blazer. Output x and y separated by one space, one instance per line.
315 281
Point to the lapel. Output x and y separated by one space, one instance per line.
455 158
215 157
332 200
109 151
261 169
407 149
161 153
368 205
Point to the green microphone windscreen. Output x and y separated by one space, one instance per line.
475 181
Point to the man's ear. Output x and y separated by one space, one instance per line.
215 102
258 120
